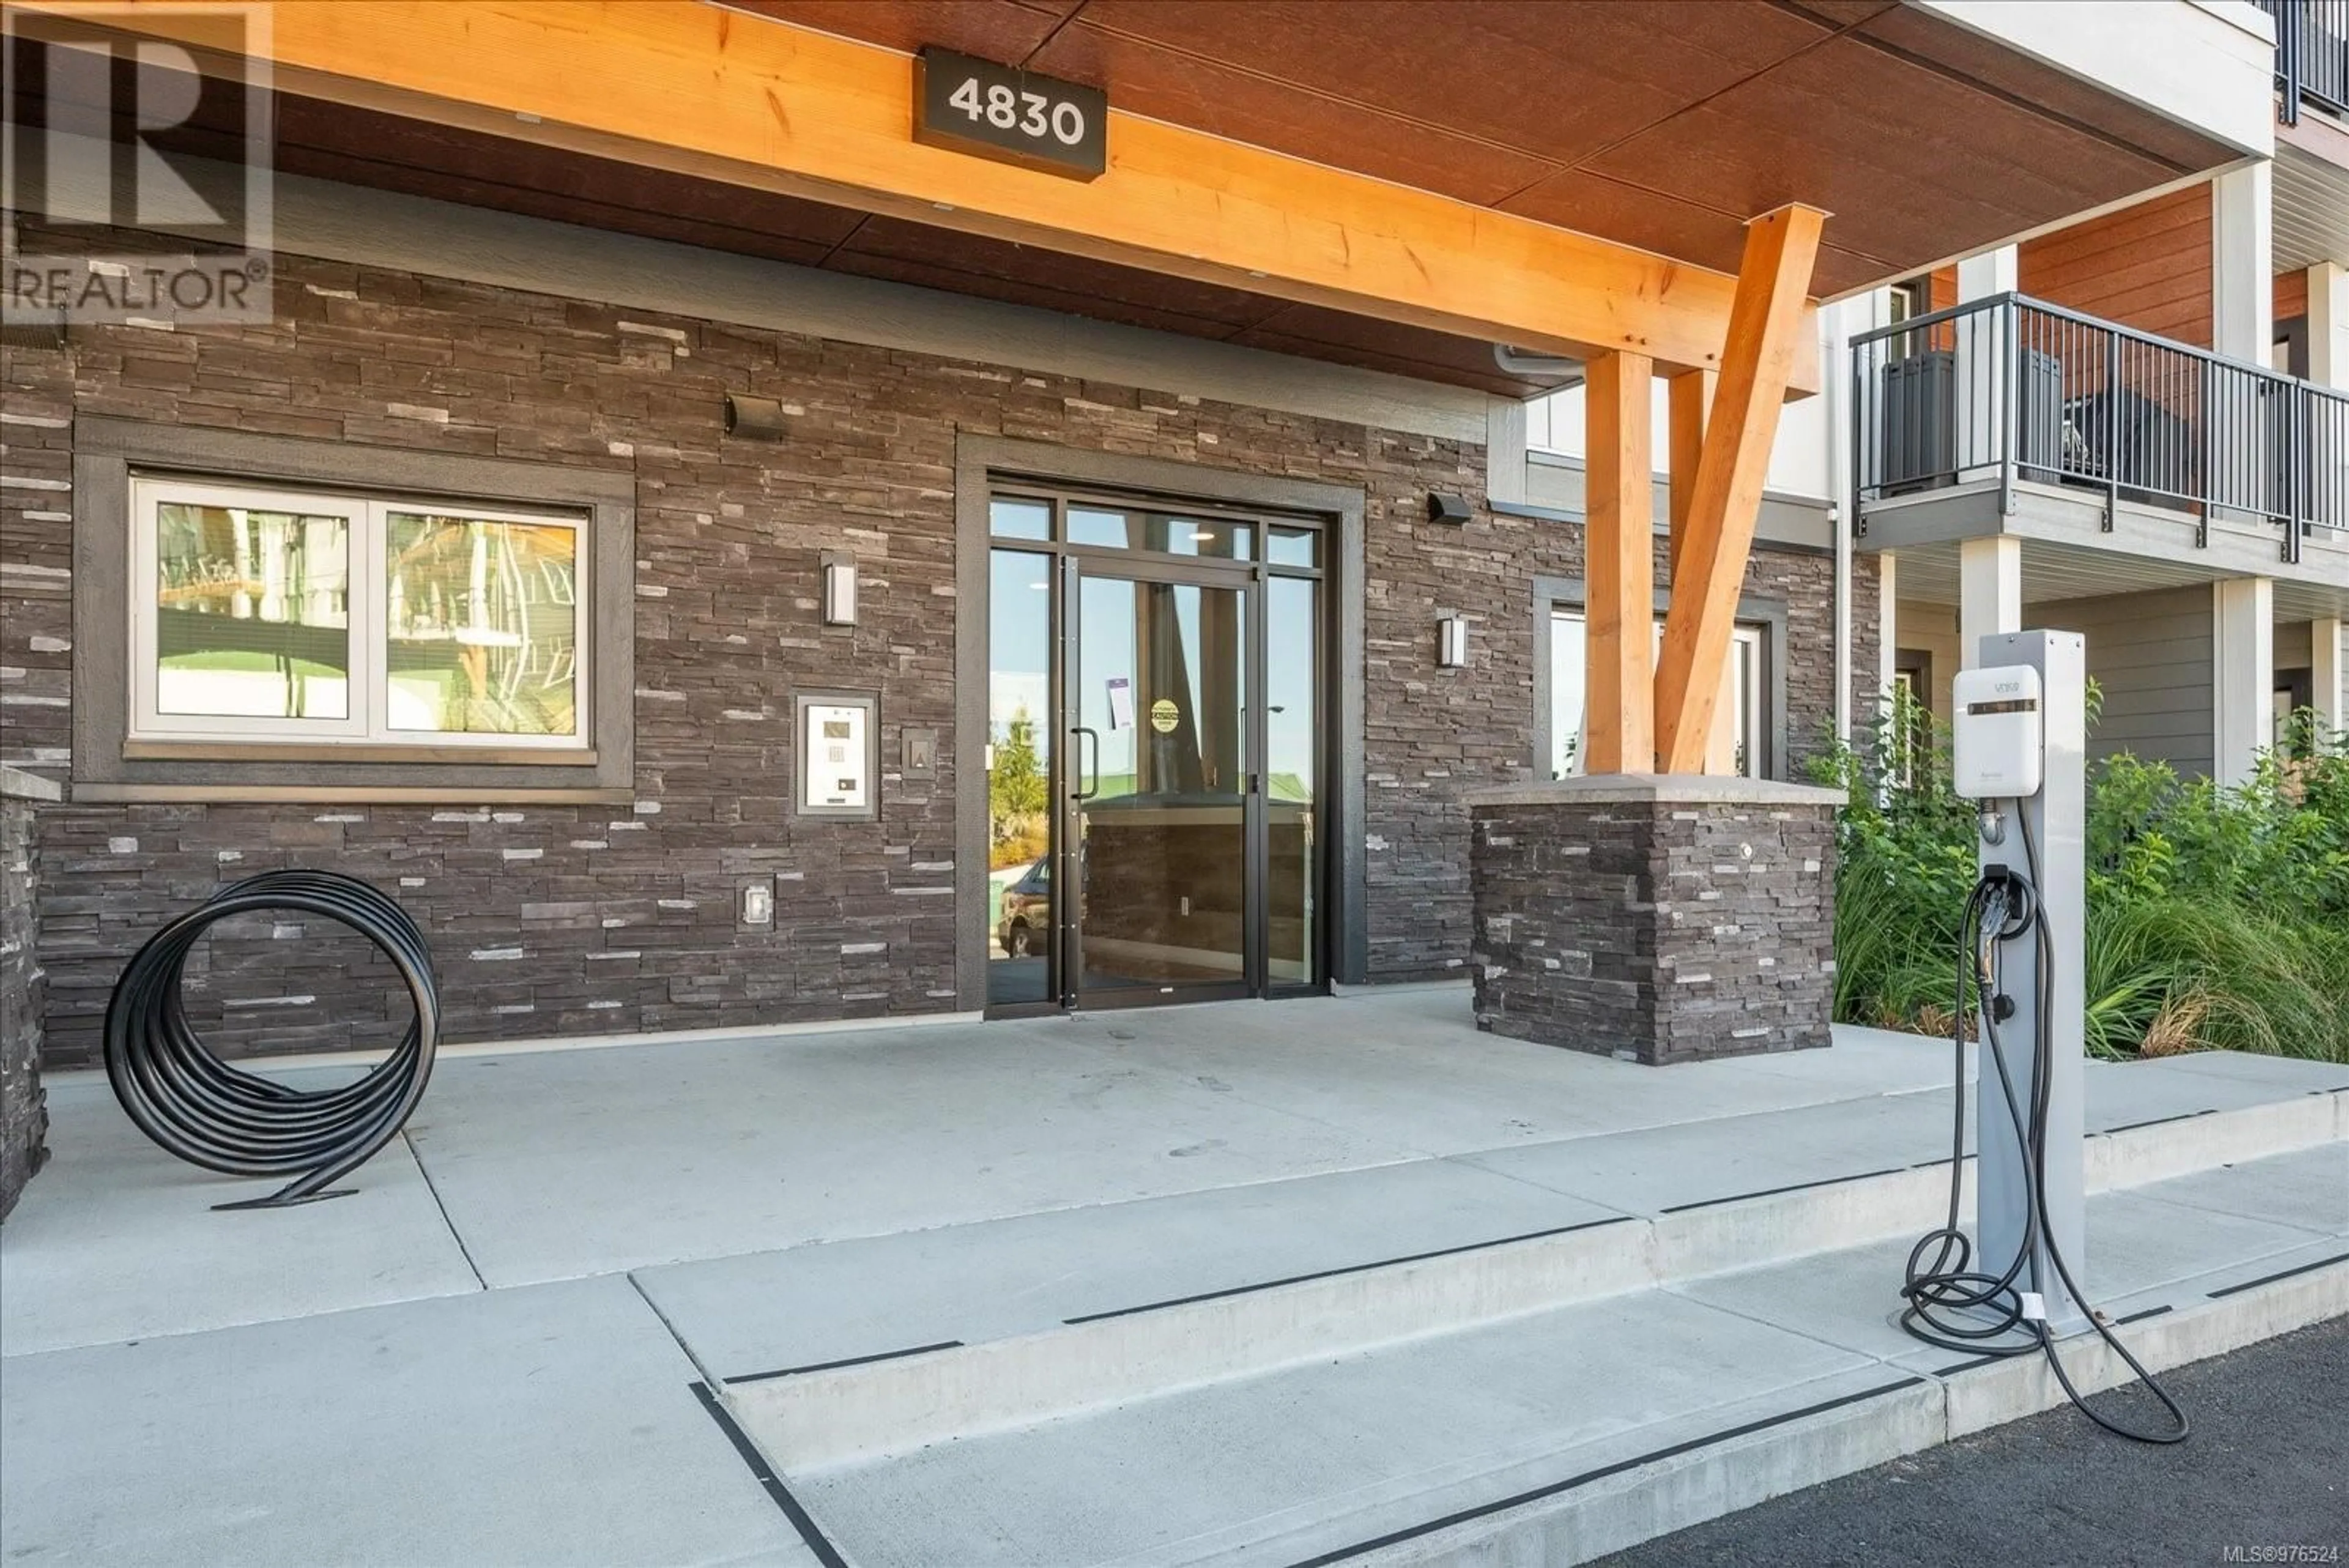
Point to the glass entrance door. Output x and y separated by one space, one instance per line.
1155 753
1163 796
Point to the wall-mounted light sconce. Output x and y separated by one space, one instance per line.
754 419
1452 509
839 589
1452 642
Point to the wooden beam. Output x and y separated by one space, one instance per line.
1765 325
1618 546
720 94
1691 396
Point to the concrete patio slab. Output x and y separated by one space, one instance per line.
2325 1078
2124 1092
566 1164
570 1164
119 1240
1340 1180
1362 1062
1652 1170
554 1425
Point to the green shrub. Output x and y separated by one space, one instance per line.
2217 918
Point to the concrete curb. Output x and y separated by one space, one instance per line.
2008 1391
1688 1489
2181 1145
860 1412
898 1403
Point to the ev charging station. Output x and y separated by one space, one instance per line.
2019 749
2019 742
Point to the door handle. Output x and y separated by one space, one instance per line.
1084 794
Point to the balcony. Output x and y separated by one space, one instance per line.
2312 55
2012 415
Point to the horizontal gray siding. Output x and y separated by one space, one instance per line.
1932 629
2150 653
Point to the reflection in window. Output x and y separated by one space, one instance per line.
1744 701
482 624
1292 774
1016 518
1567 694
1020 917
288 617
1293 546
1737 745
251 613
1210 538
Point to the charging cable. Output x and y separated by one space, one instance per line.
1952 1305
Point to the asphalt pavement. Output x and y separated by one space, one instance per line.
2267 1468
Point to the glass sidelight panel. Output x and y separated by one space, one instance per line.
1019 739
1158 727
1292 727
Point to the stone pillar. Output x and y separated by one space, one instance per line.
24 1112
1657 919
2242 674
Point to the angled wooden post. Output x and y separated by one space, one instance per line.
1691 395
1619 567
1765 321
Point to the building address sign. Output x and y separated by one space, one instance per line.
966 104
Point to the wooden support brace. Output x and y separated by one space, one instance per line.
1691 396
1765 321
1619 567
1691 399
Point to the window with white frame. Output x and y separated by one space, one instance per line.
1740 737
1908 300
269 615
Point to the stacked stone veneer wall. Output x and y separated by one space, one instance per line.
24 1112
566 919
1663 921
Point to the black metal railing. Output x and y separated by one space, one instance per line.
2324 466
2010 388
2312 54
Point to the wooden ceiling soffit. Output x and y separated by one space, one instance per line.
708 92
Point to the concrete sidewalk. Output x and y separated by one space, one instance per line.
595 1306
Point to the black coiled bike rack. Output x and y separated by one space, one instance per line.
208 1112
